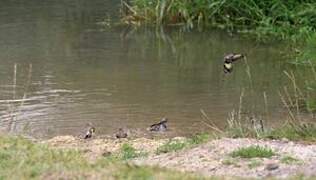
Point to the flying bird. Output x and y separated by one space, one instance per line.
228 61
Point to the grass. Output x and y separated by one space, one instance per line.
298 132
307 54
254 163
171 146
128 152
253 152
23 159
283 19
199 138
292 131
295 131
230 162
289 160
176 145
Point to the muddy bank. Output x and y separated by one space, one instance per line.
210 159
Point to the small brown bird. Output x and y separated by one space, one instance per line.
121 134
228 61
90 132
161 126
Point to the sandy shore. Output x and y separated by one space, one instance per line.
210 159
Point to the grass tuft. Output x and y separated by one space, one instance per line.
176 145
253 152
172 146
230 162
199 138
289 160
128 152
254 163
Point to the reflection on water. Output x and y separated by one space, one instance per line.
60 70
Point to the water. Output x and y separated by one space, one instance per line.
61 69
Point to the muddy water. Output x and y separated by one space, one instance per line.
60 68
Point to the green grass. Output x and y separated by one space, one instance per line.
172 146
293 19
199 138
230 162
292 131
253 152
254 163
311 105
307 54
128 152
297 132
289 160
176 145
22 159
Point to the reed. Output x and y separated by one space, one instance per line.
286 19
11 109
15 109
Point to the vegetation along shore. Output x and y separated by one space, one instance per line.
293 21
282 153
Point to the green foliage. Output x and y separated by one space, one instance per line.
22 159
294 132
254 163
146 173
288 160
176 145
199 138
286 19
311 105
171 146
236 129
230 162
253 152
128 152
307 54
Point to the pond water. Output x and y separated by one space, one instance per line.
60 68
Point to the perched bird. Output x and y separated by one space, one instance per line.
89 133
228 61
121 134
161 126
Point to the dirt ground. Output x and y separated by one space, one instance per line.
211 158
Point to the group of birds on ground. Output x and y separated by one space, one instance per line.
162 125
121 133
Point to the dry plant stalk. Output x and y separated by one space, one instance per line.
209 123
240 104
14 117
